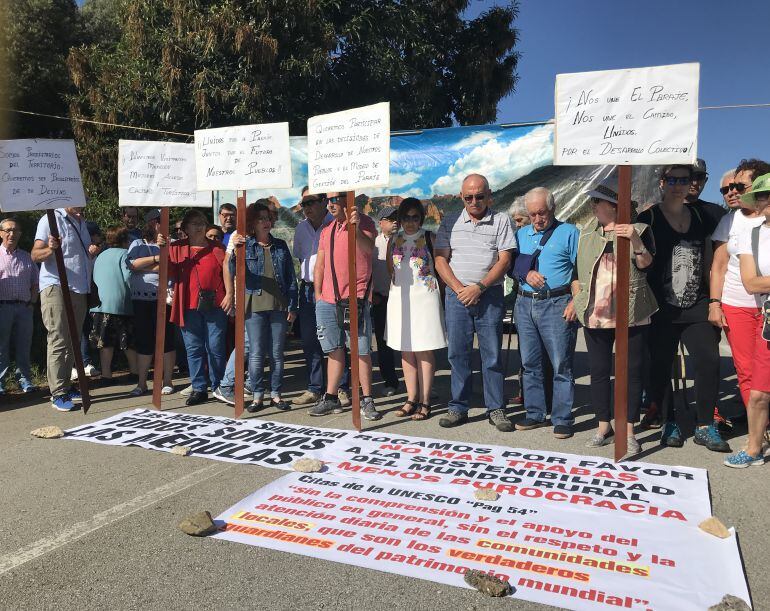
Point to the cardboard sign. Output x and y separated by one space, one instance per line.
349 150
243 157
158 174
39 175
639 116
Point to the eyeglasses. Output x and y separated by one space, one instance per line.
337 199
677 180
309 202
411 218
14 230
480 197
737 186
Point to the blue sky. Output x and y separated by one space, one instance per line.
731 40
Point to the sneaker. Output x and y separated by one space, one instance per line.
185 392
225 395
137 391
74 396
499 420
651 418
389 391
247 391
633 447
368 409
343 396
280 404
62 403
742 459
672 435
453 419
562 431
91 371
528 424
26 386
306 398
599 440
325 406
710 437
167 390
255 405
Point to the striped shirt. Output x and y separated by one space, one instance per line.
18 275
475 245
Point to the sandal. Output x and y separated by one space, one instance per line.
423 413
407 411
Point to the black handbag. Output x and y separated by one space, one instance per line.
523 264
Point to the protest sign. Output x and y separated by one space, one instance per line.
639 116
39 175
566 481
158 174
349 150
566 559
243 157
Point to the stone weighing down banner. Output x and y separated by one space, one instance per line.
662 494
566 559
639 116
39 175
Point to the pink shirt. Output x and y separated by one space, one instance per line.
363 260
18 275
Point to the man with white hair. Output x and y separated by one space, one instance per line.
545 315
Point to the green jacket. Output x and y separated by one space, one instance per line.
591 245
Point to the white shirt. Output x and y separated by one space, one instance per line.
77 261
732 227
744 248
305 248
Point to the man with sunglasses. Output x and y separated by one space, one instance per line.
472 253
306 238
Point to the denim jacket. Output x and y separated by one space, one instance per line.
283 265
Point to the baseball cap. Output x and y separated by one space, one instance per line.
386 212
151 215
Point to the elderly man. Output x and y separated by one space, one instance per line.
131 222
545 314
472 254
332 286
227 218
77 251
18 291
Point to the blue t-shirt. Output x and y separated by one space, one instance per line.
144 285
557 260
226 238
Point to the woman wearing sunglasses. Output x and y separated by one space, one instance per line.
731 307
679 279
415 322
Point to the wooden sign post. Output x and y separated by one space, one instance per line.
240 306
350 205
145 178
640 116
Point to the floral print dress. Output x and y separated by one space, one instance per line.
415 318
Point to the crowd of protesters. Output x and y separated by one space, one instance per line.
696 269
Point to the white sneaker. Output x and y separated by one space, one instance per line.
185 392
167 390
91 371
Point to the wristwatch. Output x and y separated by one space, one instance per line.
481 286
640 252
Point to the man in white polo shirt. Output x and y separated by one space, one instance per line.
472 253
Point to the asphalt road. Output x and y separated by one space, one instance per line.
87 526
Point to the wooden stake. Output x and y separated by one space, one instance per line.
623 267
353 300
160 313
69 312
240 305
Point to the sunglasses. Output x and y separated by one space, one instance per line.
411 218
479 198
762 196
737 186
338 199
310 202
677 180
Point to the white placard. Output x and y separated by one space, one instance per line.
349 150
639 116
39 174
243 157
158 174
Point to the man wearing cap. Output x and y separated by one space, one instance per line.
18 291
545 313
699 179
381 289
472 253
306 238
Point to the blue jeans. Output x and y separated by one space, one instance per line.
204 336
485 319
267 334
541 327
228 380
311 347
16 320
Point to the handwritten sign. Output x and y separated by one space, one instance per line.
243 157
349 150
39 174
158 174
640 116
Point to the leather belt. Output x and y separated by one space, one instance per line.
547 294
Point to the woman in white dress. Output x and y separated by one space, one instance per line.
415 323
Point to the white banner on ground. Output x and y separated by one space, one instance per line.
639 116
39 175
644 491
243 157
158 174
566 559
349 150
